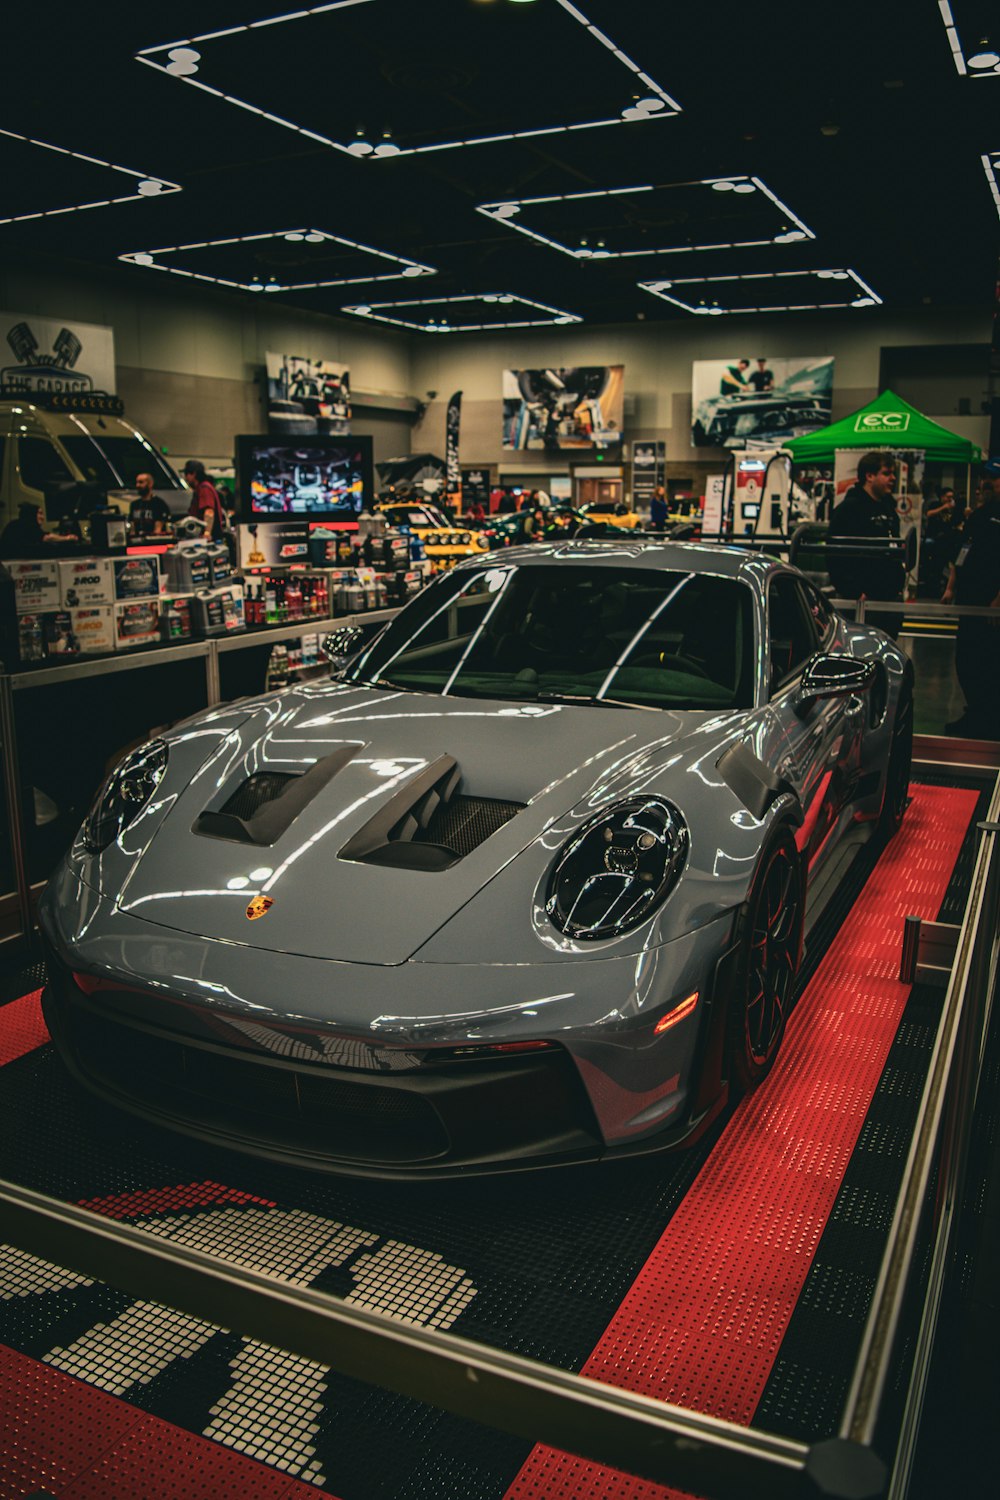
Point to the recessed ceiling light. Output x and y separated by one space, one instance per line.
388 266
580 249
988 59
182 60
748 292
414 313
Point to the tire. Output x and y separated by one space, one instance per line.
770 947
897 775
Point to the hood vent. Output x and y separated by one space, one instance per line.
267 803
427 825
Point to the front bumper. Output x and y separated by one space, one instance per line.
224 1060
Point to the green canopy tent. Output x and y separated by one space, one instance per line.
886 422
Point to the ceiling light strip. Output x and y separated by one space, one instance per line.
622 56
662 289
211 36
953 41
150 56
497 212
162 185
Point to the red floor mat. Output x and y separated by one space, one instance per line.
23 1028
703 1321
64 1438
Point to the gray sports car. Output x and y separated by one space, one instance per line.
526 883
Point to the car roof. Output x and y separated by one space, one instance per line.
673 557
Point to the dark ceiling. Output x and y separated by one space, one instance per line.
338 145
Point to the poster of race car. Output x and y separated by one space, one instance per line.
307 395
559 409
746 400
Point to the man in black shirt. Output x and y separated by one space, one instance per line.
149 513
974 578
863 552
762 379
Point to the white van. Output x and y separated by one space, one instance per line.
43 448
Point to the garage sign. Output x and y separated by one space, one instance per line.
51 356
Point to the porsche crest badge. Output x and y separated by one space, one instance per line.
259 907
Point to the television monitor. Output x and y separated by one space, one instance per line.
313 477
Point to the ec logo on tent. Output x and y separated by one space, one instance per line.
882 421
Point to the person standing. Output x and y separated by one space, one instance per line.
205 502
149 512
734 379
658 509
863 554
762 379
974 578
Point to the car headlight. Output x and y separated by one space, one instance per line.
431 539
464 538
614 873
124 795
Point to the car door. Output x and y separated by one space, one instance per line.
813 748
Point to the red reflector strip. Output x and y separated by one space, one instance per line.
22 1028
677 1014
494 1047
747 1232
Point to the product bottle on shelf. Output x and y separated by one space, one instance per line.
270 603
293 599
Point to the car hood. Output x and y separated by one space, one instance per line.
378 746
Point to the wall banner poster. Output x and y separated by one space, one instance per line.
559 409
740 401
45 355
453 422
647 470
307 396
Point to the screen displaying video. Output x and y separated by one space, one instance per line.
318 477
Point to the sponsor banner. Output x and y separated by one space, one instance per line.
476 486
453 422
711 521
648 461
307 395
553 410
743 400
53 356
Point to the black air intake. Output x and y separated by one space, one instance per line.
267 803
426 825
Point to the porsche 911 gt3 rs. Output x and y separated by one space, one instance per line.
526 883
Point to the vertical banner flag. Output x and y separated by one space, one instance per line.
452 423
647 471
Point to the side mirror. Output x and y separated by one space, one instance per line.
833 676
340 645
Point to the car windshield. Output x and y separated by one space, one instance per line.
579 633
115 461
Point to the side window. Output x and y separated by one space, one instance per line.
40 463
820 611
790 628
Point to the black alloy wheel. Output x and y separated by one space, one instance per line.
769 957
897 775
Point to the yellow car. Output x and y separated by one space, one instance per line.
444 542
614 515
